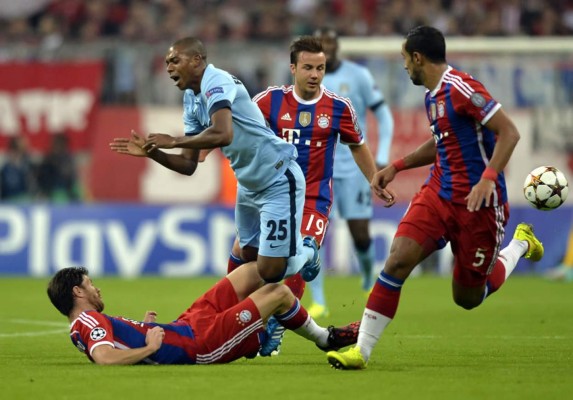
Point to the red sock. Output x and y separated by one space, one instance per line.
234 263
293 318
296 285
496 278
385 295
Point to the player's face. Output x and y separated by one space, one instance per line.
413 69
180 68
92 293
308 73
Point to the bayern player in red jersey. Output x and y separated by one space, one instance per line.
223 325
464 200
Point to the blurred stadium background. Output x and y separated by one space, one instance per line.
74 74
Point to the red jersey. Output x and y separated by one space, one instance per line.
457 109
314 127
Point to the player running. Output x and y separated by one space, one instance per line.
464 200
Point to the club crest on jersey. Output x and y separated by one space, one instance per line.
433 112
97 334
304 118
323 121
441 108
477 100
244 317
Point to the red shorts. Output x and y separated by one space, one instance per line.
476 237
225 329
314 224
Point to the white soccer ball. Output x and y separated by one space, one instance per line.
545 188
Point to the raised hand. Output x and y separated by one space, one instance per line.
159 141
150 316
132 146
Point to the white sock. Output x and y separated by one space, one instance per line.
510 255
371 328
312 331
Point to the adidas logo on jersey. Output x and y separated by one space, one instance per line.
286 117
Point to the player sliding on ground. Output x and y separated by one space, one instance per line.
223 325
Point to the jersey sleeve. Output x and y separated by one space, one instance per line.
220 91
471 98
90 330
350 132
369 90
263 101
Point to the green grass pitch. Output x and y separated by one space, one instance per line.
517 345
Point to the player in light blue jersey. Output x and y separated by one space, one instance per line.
218 112
352 195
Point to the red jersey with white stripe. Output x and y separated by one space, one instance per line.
314 128
217 328
457 109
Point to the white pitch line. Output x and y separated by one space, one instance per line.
35 322
63 328
30 334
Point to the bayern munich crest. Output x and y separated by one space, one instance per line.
323 121
244 317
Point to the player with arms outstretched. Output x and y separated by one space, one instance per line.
464 200
218 112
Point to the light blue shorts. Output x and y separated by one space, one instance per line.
352 197
270 220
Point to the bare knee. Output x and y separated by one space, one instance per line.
271 269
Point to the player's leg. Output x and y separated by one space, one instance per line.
354 202
419 233
279 301
239 256
481 268
360 232
314 224
282 250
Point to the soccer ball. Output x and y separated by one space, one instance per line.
545 188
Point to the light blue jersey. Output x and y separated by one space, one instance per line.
257 156
355 82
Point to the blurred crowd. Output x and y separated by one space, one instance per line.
26 176
53 22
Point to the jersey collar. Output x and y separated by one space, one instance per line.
308 102
437 88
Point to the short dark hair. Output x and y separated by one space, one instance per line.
60 288
427 41
191 46
304 43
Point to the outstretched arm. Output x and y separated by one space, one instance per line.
423 155
365 162
108 355
184 163
219 134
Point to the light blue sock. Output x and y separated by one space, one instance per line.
317 285
366 262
